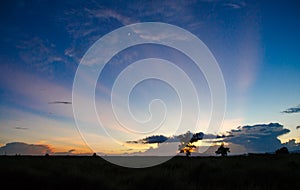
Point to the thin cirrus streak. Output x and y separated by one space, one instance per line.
60 102
21 128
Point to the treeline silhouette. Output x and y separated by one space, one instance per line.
264 171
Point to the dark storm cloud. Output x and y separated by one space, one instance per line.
258 138
292 110
154 139
24 149
298 127
188 137
150 140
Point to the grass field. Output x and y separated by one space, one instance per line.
235 172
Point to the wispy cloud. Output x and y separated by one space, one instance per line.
292 110
59 102
235 5
88 24
40 54
38 91
21 128
97 12
94 19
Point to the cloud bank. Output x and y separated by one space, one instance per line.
21 148
187 137
259 138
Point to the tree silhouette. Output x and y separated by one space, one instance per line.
222 150
186 142
188 149
282 151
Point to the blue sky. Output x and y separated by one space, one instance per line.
256 44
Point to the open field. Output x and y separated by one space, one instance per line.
238 172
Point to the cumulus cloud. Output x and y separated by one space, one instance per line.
258 138
14 148
292 110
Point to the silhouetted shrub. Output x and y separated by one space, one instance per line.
222 150
282 151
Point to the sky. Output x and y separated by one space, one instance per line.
255 43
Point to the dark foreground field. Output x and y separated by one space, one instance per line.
240 172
